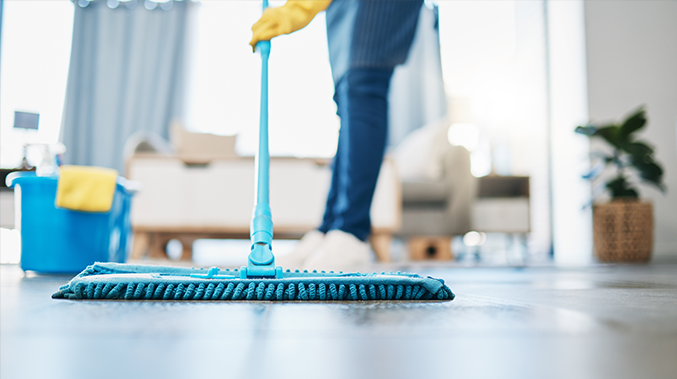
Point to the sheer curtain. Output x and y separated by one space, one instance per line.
126 74
417 95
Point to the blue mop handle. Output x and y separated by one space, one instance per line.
263 156
262 223
261 259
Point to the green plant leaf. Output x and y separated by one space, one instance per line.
639 149
606 158
619 188
587 130
627 153
633 123
595 171
610 133
617 184
651 172
629 192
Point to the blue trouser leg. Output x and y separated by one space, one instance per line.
328 218
361 97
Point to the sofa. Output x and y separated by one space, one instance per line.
189 194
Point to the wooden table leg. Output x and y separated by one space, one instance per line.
380 243
158 244
187 242
438 248
140 245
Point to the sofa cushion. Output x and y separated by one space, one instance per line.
424 191
425 222
420 156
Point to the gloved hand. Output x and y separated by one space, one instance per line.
292 16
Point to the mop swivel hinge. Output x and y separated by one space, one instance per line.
261 263
258 272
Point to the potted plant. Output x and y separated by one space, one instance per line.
623 227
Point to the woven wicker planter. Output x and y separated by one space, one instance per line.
623 231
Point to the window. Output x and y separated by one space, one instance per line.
225 83
35 51
494 66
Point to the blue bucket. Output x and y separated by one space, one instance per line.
56 240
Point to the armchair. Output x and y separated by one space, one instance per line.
438 191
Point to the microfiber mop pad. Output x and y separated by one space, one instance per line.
116 281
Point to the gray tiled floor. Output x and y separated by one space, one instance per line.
597 322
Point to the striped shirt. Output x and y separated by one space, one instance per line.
370 33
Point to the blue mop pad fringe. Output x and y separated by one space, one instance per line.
114 281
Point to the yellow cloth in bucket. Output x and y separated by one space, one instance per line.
85 188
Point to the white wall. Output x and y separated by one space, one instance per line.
632 60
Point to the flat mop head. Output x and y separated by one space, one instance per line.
113 281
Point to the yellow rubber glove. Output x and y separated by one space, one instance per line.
292 16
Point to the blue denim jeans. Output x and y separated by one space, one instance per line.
362 100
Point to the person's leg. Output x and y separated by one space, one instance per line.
361 96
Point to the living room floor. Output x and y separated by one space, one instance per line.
604 321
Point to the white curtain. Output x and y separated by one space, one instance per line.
417 94
126 74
